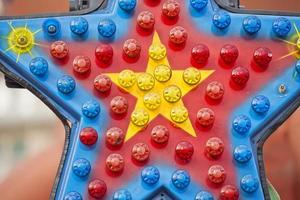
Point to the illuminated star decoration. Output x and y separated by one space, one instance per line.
159 90
295 44
20 40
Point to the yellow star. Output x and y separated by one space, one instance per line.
159 90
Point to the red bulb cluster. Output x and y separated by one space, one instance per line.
88 136
216 174
200 53
140 152
229 192
115 136
240 75
214 147
146 20
215 90
115 163
184 150
132 48
97 188
81 64
160 134
229 53
178 35
59 49
102 83
104 53
262 56
171 8
205 117
119 105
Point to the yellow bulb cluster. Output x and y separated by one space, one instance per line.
152 100
159 90
147 81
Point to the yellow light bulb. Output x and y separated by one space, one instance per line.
152 100
157 51
140 117
172 94
145 81
191 76
179 114
127 78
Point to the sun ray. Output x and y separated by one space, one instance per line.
41 45
37 31
11 26
287 55
18 58
26 26
4 37
9 48
288 42
30 53
297 31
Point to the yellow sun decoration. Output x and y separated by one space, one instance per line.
294 41
20 40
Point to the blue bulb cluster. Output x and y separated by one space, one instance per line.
281 26
107 28
260 104
79 25
249 183
198 4
66 84
204 195
150 175
122 195
251 24
242 154
38 66
73 196
91 109
241 124
51 27
81 167
221 19
127 5
181 179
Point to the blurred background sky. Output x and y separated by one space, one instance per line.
27 126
